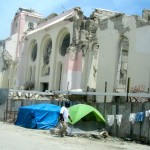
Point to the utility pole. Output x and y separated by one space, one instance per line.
128 87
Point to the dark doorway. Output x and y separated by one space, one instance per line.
44 87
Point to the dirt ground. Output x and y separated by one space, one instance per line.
17 138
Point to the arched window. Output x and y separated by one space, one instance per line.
65 44
34 52
122 65
47 52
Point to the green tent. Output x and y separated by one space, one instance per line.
79 111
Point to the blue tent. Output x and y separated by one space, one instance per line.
40 116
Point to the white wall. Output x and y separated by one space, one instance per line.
138 56
139 60
11 45
108 40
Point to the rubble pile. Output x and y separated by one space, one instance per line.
36 96
94 134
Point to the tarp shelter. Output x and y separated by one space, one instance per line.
39 116
79 111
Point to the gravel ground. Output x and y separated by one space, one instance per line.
17 138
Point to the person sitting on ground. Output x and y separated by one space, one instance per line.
64 115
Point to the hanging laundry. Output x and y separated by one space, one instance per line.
139 116
119 118
110 119
132 118
147 113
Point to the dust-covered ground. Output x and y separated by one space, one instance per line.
17 138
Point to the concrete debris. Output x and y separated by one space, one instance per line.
94 134
98 134
19 94
104 134
37 96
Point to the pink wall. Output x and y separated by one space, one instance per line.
74 65
20 32
72 71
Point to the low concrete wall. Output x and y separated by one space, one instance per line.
139 131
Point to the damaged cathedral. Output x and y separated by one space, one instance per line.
71 51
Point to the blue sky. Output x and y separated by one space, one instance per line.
45 7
